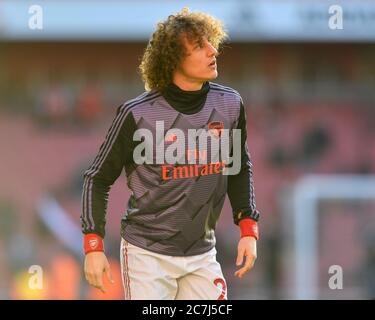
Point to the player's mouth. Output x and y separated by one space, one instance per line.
212 64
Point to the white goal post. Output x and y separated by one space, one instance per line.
303 215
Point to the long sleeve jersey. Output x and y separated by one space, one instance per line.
173 209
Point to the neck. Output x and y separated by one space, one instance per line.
185 101
187 85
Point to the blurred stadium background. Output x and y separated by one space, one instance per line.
310 98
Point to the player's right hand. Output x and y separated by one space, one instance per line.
96 263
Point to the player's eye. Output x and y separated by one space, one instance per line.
198 44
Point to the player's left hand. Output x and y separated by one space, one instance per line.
247 247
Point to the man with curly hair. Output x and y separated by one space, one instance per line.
168 240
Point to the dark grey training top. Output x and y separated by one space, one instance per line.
173 209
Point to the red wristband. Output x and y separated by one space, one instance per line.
92 242
249 228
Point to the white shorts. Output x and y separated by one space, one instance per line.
147 275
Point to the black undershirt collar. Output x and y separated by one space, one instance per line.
187 102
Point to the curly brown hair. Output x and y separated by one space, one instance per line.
165 50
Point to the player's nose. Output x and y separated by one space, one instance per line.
212 51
